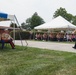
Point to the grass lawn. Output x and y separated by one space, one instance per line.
35 61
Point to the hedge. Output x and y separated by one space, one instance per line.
21 35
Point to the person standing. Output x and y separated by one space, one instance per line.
75 43
74 46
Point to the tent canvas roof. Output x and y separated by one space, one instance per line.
58 22
5 17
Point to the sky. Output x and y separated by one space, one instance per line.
24 9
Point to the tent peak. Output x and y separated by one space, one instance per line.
57 23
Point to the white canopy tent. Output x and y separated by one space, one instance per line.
57 23
7 17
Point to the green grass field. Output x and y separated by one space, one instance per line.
35 61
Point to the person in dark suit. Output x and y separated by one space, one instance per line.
74 46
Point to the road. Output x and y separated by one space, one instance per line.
48 45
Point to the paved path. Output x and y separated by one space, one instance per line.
48 45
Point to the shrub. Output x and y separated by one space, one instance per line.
21 35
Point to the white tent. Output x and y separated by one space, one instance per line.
57 23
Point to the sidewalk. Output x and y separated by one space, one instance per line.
48 45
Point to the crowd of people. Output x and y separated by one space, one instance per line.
6 38
55 37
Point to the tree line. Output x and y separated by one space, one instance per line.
36 20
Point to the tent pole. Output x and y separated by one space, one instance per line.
14 32
19 32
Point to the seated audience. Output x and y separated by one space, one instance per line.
50 37
58 37
38 36
73 37
45 37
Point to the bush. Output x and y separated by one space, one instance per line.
21 35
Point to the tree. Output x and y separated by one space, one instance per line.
25 26
13 25
69 17
35 20
62 12
28 21
74 20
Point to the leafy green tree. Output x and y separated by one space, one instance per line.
69 17
25 26
35 20
61 11
28 21
13 25
74 20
